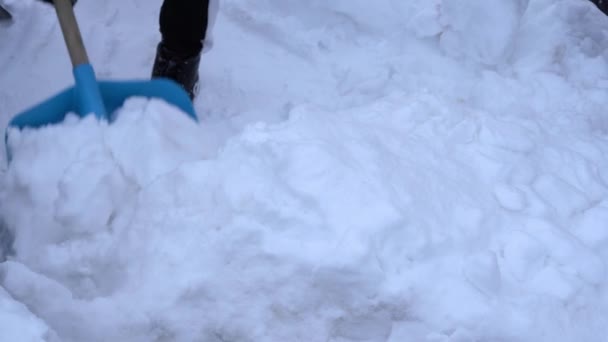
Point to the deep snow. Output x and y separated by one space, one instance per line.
428 170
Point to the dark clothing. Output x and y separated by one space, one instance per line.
183 25
602 5
51 1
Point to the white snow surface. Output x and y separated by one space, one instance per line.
425 170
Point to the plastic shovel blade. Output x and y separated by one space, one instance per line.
113 93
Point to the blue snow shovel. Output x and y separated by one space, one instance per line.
88 96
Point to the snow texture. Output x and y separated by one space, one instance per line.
427 170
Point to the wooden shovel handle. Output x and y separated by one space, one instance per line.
71 32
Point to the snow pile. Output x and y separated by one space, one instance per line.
357 225
419 171
18 324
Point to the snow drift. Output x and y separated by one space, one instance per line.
421 171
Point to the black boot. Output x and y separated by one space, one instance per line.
181 69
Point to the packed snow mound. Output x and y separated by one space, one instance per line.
18 323
360 223
407 171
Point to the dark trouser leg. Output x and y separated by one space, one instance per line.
602 5
183 25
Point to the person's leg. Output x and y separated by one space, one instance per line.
183 26
602 5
